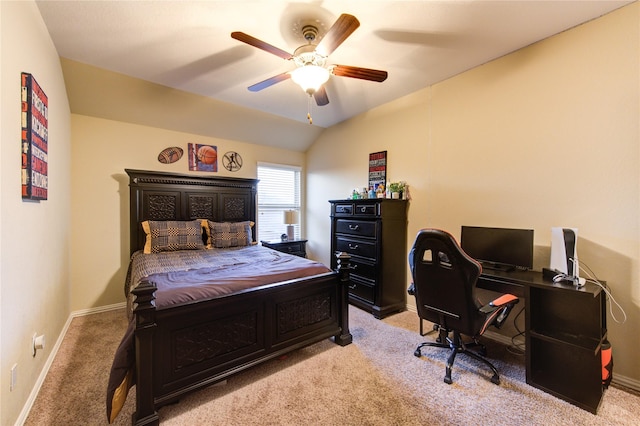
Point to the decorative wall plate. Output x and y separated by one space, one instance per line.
232 161
170 155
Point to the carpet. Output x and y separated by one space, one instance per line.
374 381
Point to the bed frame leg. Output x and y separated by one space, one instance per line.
145 314
343 262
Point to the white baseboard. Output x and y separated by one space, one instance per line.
98 309
54 351
505 340
625 381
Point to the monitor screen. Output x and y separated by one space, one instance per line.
500 248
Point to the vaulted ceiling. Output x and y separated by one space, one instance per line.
175 62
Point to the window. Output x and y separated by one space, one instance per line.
278 191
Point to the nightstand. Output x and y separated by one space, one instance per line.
295 247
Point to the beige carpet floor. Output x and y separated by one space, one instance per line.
374 381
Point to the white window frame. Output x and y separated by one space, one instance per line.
270 214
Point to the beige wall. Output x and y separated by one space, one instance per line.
34 243
481 148
547 136
101 150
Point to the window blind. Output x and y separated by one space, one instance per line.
278 191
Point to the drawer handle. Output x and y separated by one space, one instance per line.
363 209
353 246
354 227
354 267
352 287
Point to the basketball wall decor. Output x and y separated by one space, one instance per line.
170 155
202 158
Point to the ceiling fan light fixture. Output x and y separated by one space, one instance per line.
310 77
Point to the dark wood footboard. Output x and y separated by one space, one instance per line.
184 348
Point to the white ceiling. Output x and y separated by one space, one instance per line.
186 45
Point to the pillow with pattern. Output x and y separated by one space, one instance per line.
230 234
173 235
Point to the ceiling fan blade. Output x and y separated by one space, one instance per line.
321 97
344 26
361 73
269 82
246 38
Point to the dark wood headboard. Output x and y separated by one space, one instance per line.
175 196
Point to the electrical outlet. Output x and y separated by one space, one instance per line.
14 376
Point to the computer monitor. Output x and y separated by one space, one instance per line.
499 248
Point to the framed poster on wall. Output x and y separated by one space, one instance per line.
377 169
202 158
35 139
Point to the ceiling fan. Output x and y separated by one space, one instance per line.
310 59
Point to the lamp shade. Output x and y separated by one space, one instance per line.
290 217
310 77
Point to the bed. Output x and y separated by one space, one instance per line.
177 342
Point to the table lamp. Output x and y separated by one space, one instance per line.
290 218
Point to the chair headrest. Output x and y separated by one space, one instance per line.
442 240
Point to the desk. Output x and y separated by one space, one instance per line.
565 327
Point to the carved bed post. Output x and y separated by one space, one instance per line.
343 262
145 316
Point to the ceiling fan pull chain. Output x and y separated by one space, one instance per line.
309 110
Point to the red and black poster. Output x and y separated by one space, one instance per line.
377 170
35 137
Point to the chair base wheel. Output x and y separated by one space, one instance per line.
455 347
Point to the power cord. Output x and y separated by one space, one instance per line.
593 279
517 348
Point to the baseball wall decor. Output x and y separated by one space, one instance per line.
232 161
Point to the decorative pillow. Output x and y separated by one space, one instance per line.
172 235
230 234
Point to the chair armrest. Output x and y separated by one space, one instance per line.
497 310
505 299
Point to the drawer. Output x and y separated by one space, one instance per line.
356 227
363 269
362 290
366 209
344 209
356 247
292 248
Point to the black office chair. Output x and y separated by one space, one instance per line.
444 285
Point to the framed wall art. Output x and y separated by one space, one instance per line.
377 169
202 158
35 139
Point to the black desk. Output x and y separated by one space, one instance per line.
514 282
565 327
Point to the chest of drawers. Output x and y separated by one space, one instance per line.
374 233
